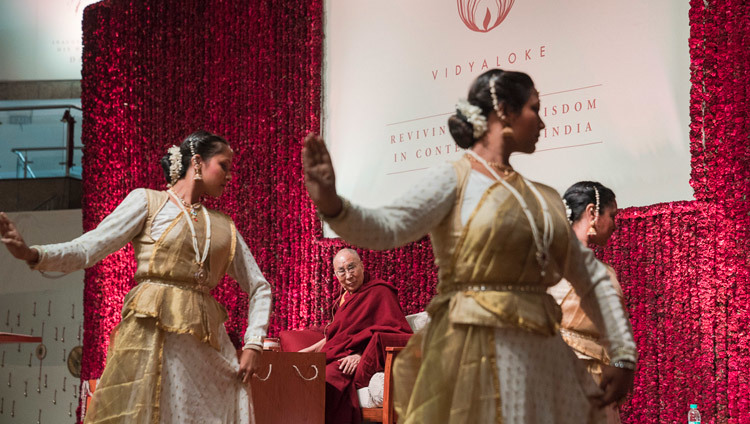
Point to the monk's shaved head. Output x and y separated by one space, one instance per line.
347 265
351 252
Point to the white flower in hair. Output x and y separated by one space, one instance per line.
568 212
175 164
473 115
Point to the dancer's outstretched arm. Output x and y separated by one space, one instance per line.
115 231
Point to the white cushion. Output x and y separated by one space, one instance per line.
372 395
365 401
377 387
418 321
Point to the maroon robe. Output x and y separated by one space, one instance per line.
371 309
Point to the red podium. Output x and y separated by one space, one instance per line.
290 387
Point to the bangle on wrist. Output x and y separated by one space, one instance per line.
627 365
345 206
254 347
34 261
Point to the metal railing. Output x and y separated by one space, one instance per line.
47 162
23 162
39 107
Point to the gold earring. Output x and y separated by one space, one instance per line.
507 129
198 173
592 230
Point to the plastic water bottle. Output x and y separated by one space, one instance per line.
694 417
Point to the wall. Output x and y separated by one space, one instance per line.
33 390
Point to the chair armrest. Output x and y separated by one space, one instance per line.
374 356
389 414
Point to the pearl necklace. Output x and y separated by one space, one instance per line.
201 276
542 242
505 169
193 208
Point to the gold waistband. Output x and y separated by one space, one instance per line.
585 345
178 284
526 288
571 333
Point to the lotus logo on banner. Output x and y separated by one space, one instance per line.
483 15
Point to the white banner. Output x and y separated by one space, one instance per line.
40 40
613 78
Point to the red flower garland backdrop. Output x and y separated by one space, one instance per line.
155 70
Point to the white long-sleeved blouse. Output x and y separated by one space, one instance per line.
124 223
426 204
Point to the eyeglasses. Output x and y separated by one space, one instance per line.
351 269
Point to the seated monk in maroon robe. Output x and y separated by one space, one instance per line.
365 306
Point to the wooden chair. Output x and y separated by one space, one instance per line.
391 344
386 414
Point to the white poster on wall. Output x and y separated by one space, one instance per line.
613 79
40 40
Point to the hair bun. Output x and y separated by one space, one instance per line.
461 131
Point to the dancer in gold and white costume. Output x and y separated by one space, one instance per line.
591 209
492 352
170 358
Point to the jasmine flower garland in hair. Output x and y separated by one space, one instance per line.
175 164
473 115
568 212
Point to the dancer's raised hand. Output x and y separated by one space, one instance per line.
320 179
14 242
